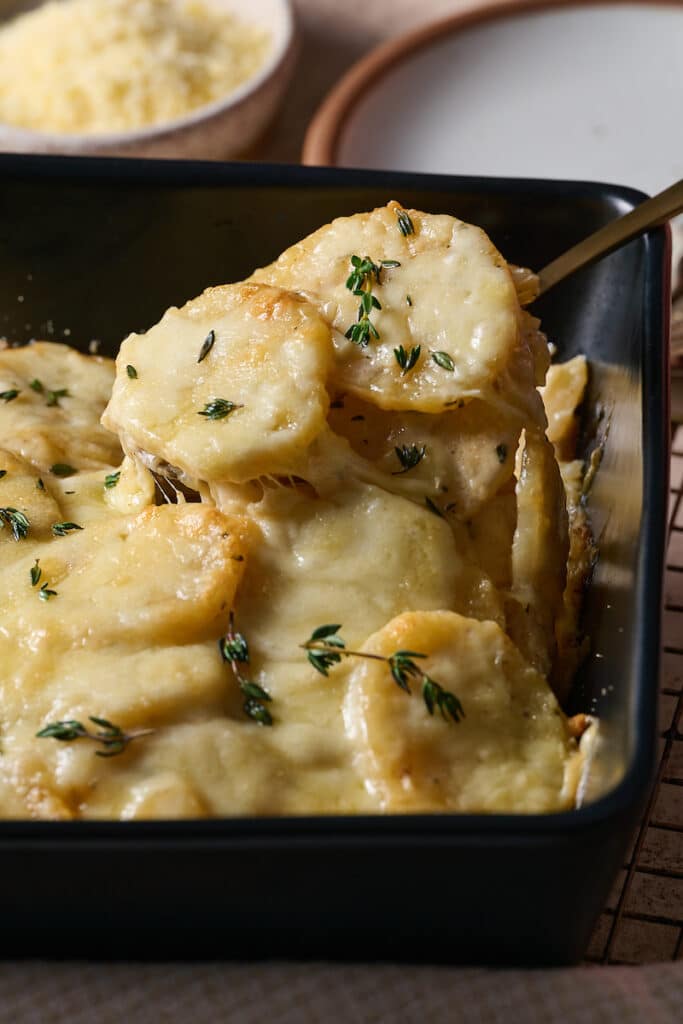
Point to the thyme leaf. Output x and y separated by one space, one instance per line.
9 396
112 738
407 360
16 520
132 372
325 648
111 479
501 452
45 593
433 507
409 456
63 469
405 224
234 650
218 408
363 270
35 572
207 346
54 396
3 472
443 360
61 529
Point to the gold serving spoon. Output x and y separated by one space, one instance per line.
650 214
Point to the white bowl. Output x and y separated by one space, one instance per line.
217 131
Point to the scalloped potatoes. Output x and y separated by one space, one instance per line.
369 529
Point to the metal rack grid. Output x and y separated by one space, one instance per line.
643 919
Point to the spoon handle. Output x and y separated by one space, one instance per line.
649 214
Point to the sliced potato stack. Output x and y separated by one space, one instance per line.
359 433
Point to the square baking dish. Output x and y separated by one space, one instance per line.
93 249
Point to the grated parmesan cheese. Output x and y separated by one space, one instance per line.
88 66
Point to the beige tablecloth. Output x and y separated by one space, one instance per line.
325 994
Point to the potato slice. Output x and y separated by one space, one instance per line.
465 455
23 491
128 633
265 352
165 576
55 416
452 293
512 751
539 552
562 395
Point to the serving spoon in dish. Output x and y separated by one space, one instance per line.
650 214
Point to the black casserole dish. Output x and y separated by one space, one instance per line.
109 245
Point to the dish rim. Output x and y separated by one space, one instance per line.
357 829
325 130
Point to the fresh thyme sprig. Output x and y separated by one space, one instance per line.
207 346
218 408
112 737
111 479
407 360
409 455
9 396
16 520
360 282
234 650
405 224
325 648
364 329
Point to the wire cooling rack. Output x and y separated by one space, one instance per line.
643 919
